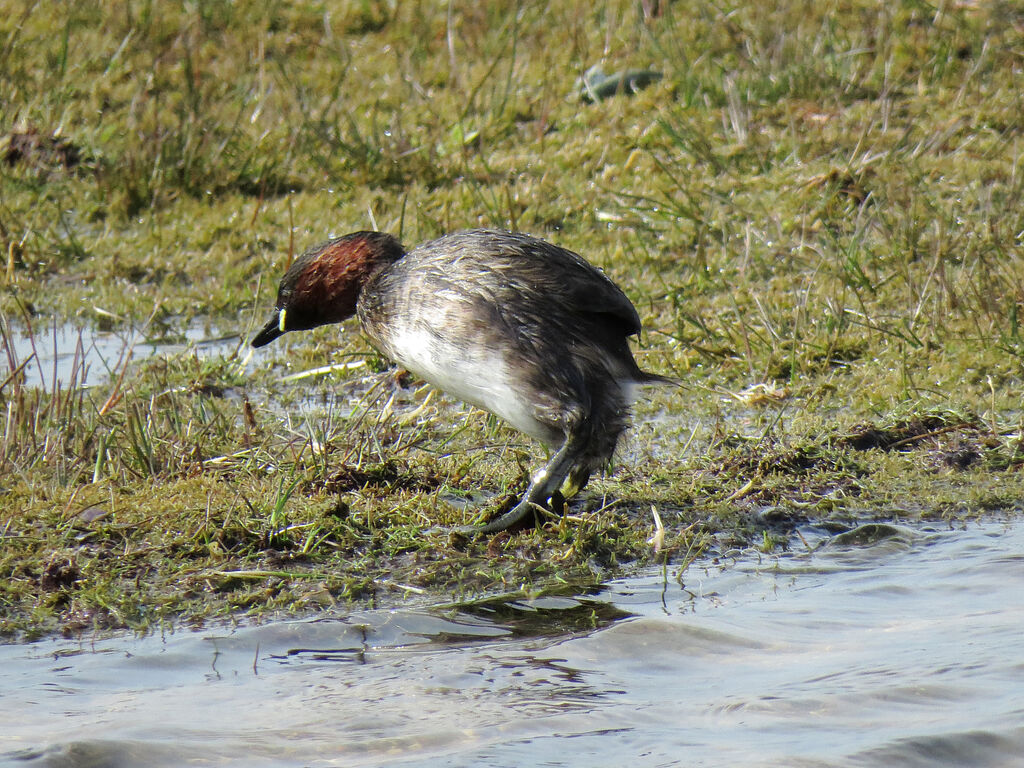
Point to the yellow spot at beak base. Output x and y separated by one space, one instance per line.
280 321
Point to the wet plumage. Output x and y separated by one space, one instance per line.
507 322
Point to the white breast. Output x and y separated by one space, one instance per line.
474 373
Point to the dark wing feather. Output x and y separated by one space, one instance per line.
538 276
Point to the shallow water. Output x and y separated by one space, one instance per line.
65 353
898 646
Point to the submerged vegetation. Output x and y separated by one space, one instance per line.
816 209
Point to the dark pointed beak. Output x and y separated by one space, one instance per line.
270 331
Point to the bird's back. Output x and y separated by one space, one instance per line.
525 274
508 322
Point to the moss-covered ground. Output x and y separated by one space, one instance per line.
817 210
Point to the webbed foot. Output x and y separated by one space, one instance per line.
543 496
523 515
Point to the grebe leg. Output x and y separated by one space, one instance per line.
542 486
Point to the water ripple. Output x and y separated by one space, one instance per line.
892 646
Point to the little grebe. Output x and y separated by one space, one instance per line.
517 326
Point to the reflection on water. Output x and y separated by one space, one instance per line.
895 646
63 353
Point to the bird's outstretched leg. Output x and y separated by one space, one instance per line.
543 485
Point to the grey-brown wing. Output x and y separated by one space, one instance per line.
536 276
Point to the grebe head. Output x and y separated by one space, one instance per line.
323 284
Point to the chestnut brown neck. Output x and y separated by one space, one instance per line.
323 284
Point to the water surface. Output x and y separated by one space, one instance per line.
62 353
903 646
